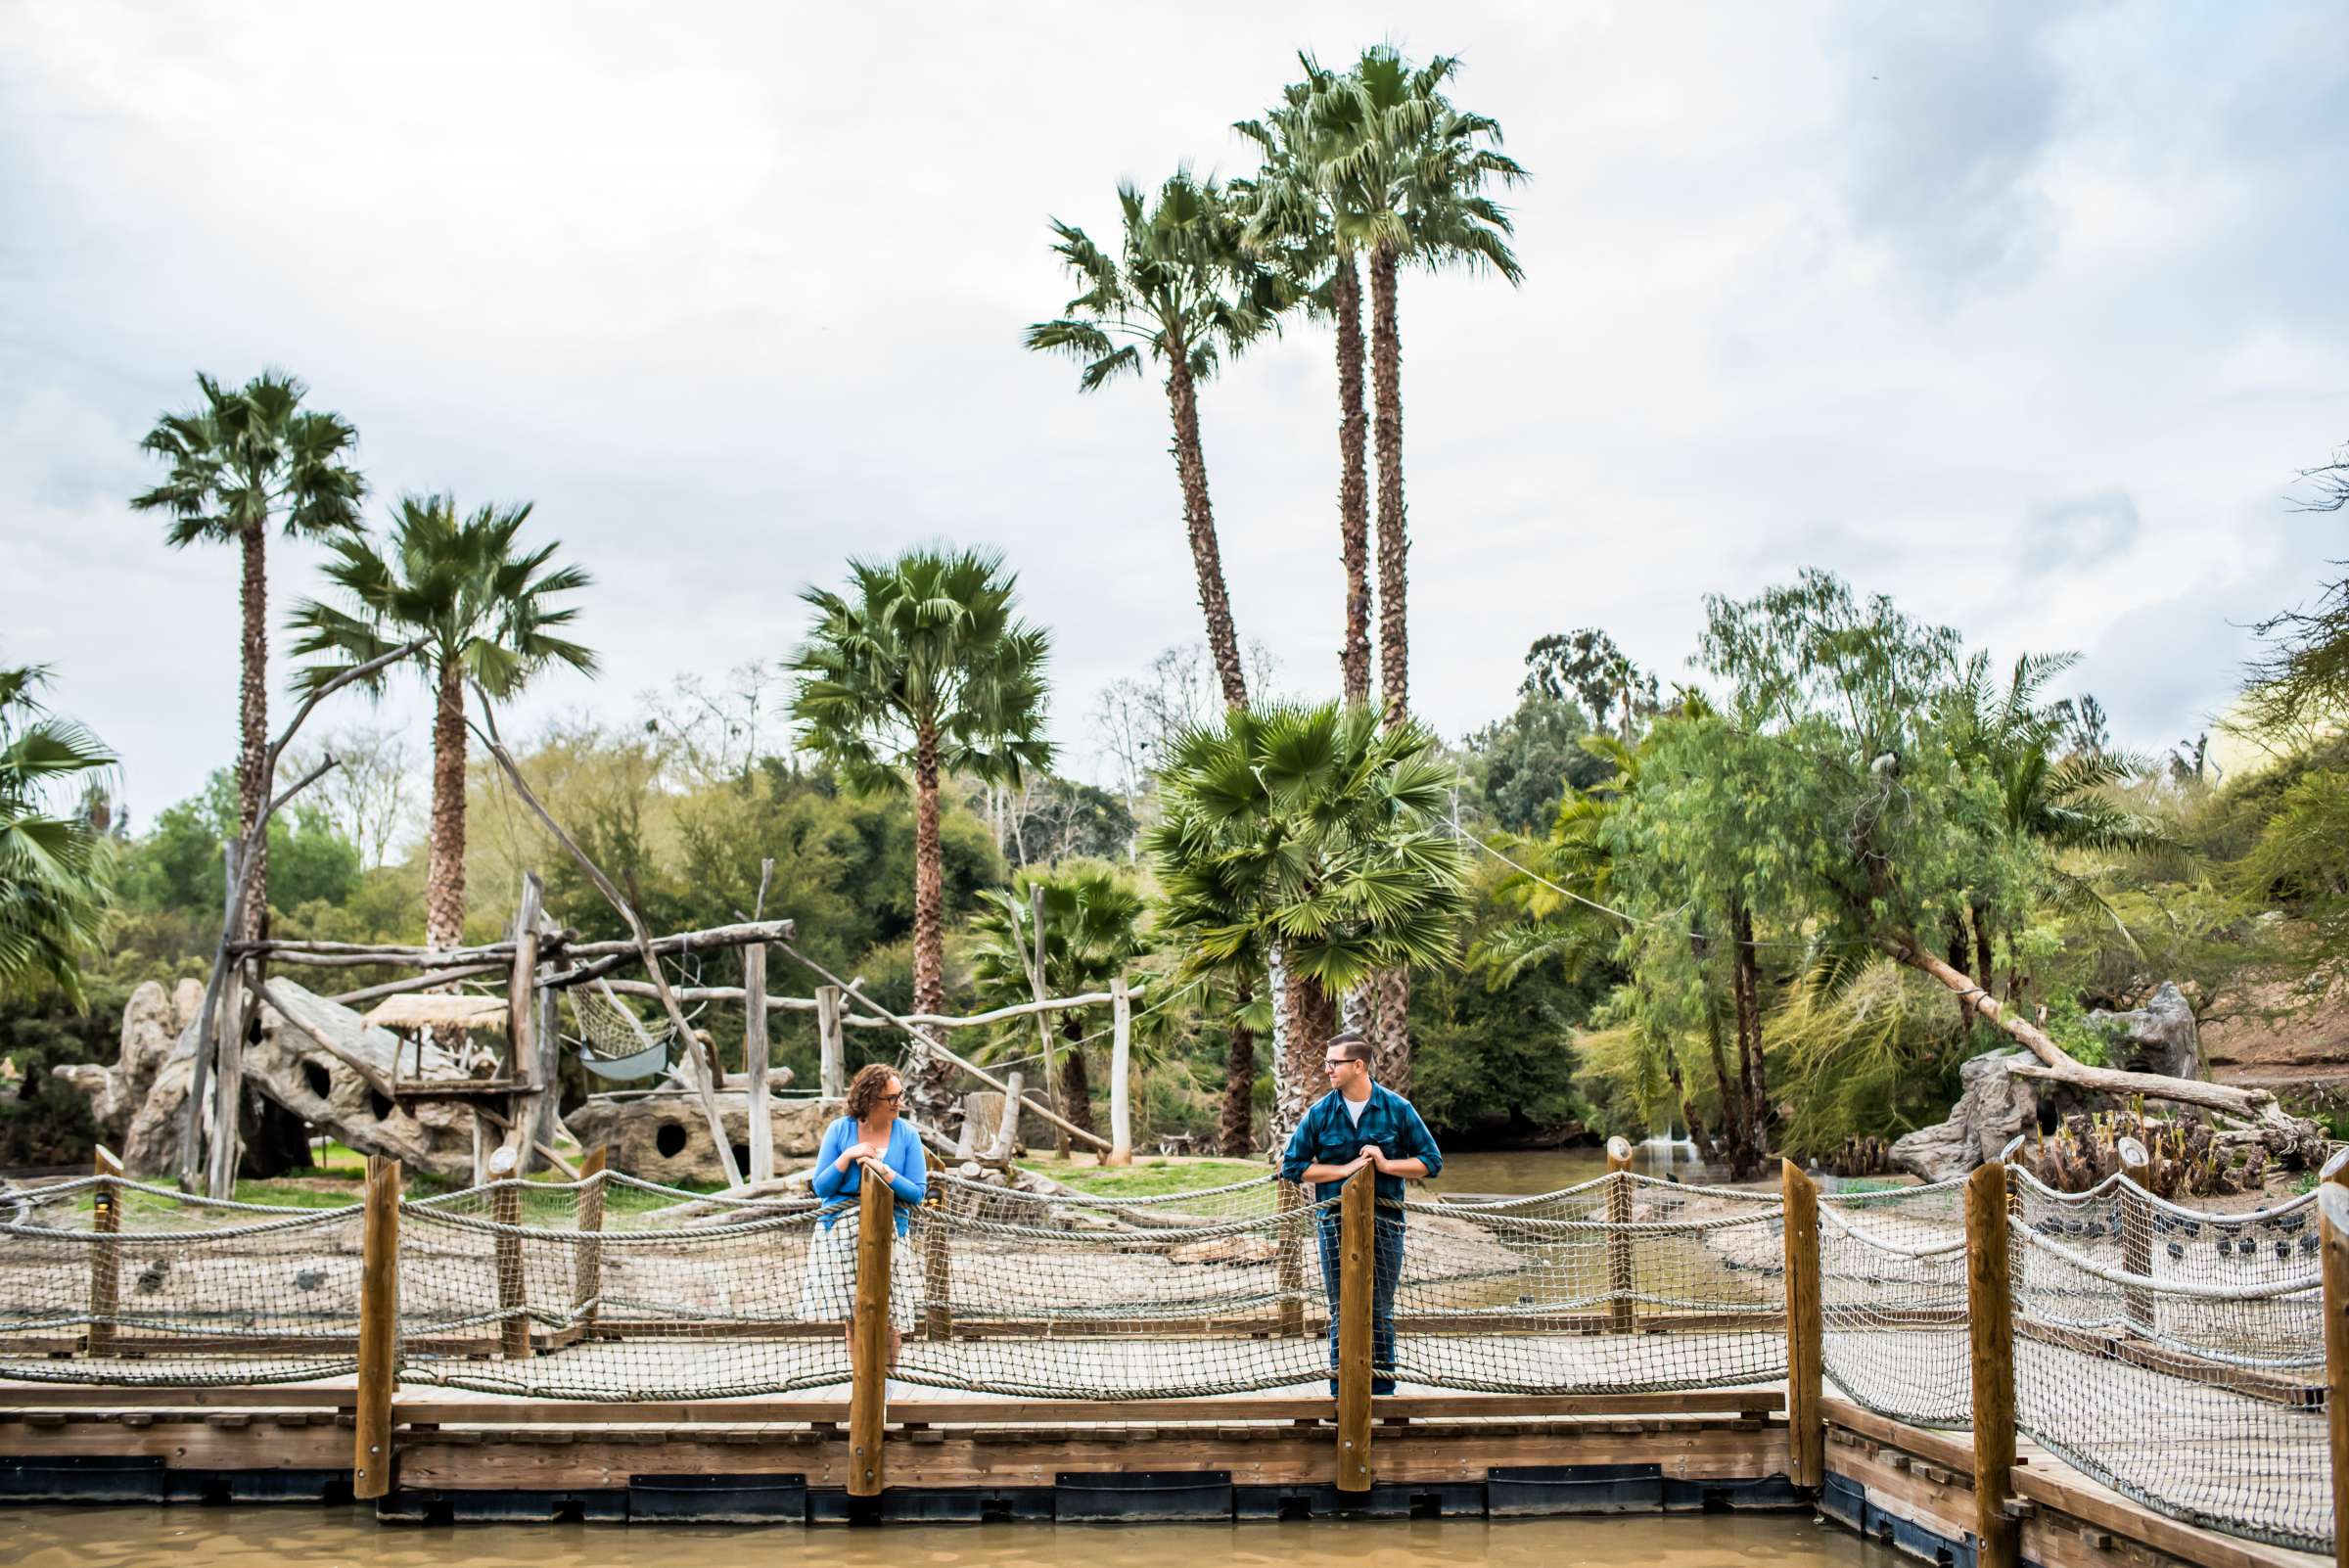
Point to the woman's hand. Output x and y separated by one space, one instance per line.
859 1153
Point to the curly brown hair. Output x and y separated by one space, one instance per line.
866 1090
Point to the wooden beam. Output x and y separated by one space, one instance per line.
757 1112
522 1023
2332 1203
1121 1075
357 1064
1806 1429
937 1217
1990 1321
1293 1206
2136 1207
514 1323
379 1328
105 1257
831 1072
868 1395
424 982
1007 1130
587 1269
1620 1278
1356 1265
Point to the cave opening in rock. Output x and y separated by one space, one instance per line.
669 1140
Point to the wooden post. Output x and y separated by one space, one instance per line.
521 1028
2333 1204
1121 1068
755 1109
1989 1321
876 1229
587 1269
1294 1205
938 1264
1357 1261
228 1089
505 1209
1806 1424
105 1257
379 1330
2136 1232
1035 954
192 1167
1622 1313
1007 1131
829 1077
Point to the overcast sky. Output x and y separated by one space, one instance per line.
2026 314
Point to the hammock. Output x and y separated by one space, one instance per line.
613 1042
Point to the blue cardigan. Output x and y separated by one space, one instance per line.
904 1157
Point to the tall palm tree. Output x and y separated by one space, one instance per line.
1291 217
486 610
922 668
1319 829
1407 186
241 462
1091 934
1183 291
52 902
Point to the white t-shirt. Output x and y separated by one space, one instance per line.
1355 1108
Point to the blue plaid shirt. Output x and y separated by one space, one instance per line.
1328 1135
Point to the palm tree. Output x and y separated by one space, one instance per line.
242 460
1091 935
487 614
1318 829
920 670
1183 290
1291 219
51 900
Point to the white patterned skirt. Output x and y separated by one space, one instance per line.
828 1295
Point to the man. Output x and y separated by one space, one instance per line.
1359 1123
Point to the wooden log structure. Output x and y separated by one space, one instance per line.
1294 1207
587 1268
1806 1427
1121 1075
2134 1203
105 1257
1356 1265
1989 1321
831 1068
379 1331
1620 1276
937 1217
761 1122
505 1209
876 1231
2333 1204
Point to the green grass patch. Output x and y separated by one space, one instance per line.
1147 1178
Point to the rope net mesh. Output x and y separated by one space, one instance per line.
2177 1355
1892 1302
183 1292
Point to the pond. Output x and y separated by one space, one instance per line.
1516 1173
349 1537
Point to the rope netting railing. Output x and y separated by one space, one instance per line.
2177 1355
104 1280
1892 1301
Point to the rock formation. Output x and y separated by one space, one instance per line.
664 1138
149 1028
1994 1106
2158 1038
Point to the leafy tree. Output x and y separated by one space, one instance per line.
52 895
1318 829
1587 667
177 864
1183 291
921 670
488 614
241 462
1525 765
2300 683
1091 934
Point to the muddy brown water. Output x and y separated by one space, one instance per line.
1522 1173
350 1538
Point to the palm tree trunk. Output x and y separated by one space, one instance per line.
1075 1084
1240 1084
1199 517
929 1076
253 720
1747 970
1385 385
1390 1018
1353 490
1311 1017
444 863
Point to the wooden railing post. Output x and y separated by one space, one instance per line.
505 1210
1622 1312
1806 1423
2136 1232
876 1231
758 1115
2332 1207
105 1257
1121 1075
1990 1323
1293 1206
379 1330
1356 1262
938 1264
828 1041
587 1267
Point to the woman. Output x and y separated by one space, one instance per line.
870 1138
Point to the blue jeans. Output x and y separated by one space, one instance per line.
1386 1271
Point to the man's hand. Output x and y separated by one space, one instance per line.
1372 1156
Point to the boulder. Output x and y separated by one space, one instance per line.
1994 1106
116 1092
663 1138
2158 1038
